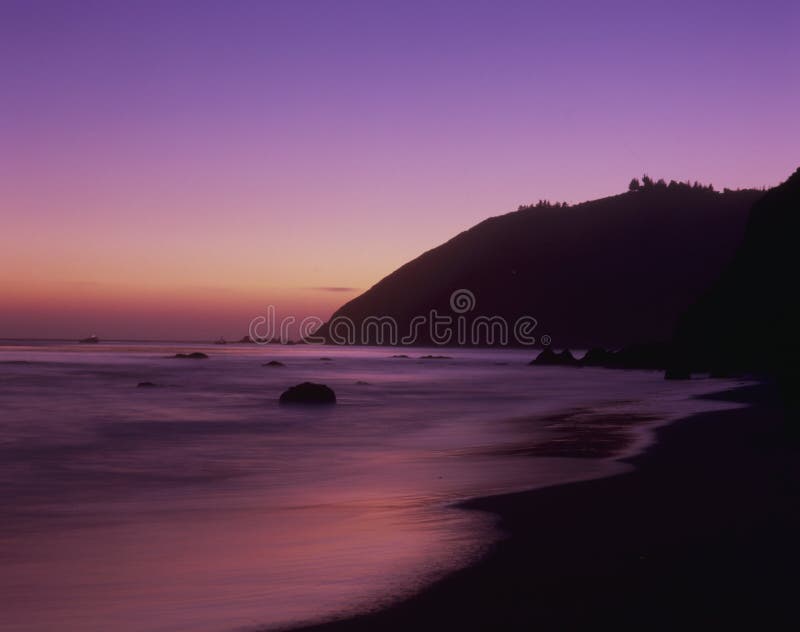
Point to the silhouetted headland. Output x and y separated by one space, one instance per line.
608 272
747 321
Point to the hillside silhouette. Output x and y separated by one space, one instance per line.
747 320
602 273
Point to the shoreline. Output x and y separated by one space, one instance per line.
704 530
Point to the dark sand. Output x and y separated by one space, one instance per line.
703 534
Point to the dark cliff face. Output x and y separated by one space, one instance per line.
607 272
748 319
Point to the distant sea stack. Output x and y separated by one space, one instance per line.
604 273
548 357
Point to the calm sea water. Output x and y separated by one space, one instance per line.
203 505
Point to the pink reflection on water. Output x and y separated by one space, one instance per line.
202 505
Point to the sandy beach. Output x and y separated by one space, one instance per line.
701 534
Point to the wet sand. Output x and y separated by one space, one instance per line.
704 533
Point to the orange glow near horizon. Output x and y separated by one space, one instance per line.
154 185
76 309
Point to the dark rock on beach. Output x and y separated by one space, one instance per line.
308 393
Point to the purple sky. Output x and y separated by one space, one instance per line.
168 169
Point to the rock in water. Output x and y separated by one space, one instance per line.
145 385
273 363
308 393
195 355
565 358
546 357
598 357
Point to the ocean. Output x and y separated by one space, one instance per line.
203 505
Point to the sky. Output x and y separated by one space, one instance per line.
169 169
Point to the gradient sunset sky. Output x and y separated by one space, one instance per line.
167 169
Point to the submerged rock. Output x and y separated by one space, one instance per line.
435 357
308 393
145 385
195 355
273 363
